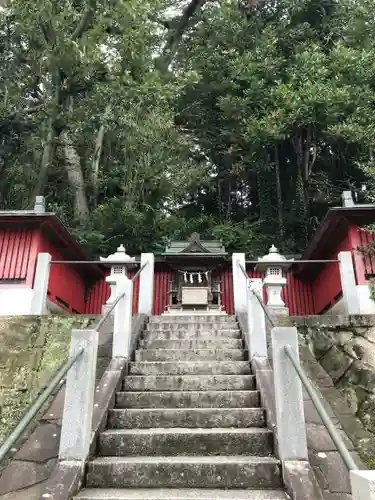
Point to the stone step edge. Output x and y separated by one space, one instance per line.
192 459
178 494
162 431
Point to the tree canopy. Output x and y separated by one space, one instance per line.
146 120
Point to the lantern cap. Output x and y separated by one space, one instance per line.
119 257
273 258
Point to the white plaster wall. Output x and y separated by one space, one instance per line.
366 304
338 308
15 300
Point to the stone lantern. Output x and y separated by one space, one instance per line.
273 265
120 263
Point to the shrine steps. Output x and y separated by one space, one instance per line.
187 422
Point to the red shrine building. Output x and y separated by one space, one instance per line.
192 275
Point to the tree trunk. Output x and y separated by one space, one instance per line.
96 163
76 180
279 193
47 159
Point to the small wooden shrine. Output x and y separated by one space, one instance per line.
196 266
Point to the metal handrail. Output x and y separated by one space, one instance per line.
332 431
139 271
37 405
264 307
104 318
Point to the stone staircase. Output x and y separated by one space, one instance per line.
188 423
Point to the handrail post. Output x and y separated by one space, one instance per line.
79 397
348 283
290 416
41 280
363 484
256 322
146 284
239 283
122 326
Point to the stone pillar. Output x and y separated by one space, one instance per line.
39 207
146 284
41 280
123 313
347 199
290 417
239 283
363 484
348 283
79 397
256 321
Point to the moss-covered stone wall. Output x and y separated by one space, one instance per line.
32 349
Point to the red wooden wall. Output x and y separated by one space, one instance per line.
18 253
67 285
326 287
163 277
70 289
297 295
99 293
365 264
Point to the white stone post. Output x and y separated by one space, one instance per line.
256 321
363 484
347 199
39 207
239 283
146 284
290 418
348 283
41 279
122 327
79 397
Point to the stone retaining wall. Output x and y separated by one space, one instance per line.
32 349
345 349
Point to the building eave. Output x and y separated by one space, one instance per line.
51 225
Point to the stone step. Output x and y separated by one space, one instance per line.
196 343
178 441
189 383
189 325
190 355
184 472
190 399
186 417
180 494
181 334
200 318
190 367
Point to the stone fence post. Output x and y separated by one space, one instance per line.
256 321
146 284
348 283
290 417
363 484
239 283
41 280
79 397
123 313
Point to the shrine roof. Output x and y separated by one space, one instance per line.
195 246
